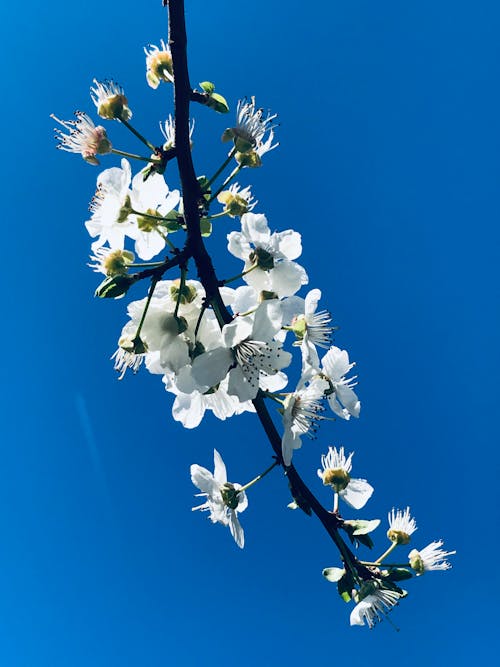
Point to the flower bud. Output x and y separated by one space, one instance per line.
114 287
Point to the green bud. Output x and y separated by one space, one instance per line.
114 287
333 574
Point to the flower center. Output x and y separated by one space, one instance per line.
338 478
229 495
262 258
398 536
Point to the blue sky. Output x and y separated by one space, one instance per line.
388 166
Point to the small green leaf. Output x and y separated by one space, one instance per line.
207 87
363 527
398 574
333 573
218 103
206 227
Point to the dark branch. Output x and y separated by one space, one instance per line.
195 247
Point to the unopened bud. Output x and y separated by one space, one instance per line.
114 287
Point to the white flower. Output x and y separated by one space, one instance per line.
237 201
270 254
111 262
401 526
83 138
153 198
335 473
432 557
191 404
300 416
168 131
224 502
110 100
251 128
248 341
374 607
158 64
342 399
110 208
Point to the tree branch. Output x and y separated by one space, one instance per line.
195 246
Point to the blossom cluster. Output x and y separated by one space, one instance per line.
221 353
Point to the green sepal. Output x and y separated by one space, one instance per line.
344 586
333 574
205 187
397 574
205 227
207 86
217 103
171 223
114 287
351 527
362 526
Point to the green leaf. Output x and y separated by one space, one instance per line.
363 527
398 574
207 87
206 227
333 573
218 103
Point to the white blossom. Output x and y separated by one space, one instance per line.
110 208
272 256
336 473
431 557
110 100
300 416
401 526
223 499
252 126
249 346
83 138
153 198
158 64
342 398
374 607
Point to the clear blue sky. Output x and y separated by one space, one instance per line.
388 166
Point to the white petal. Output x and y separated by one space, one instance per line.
255 228
348 399
211 367
188 409
237 331
149 244
203 479
289 244
220 474
286 278
311 302
238 245
236 529
336 363
357 493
